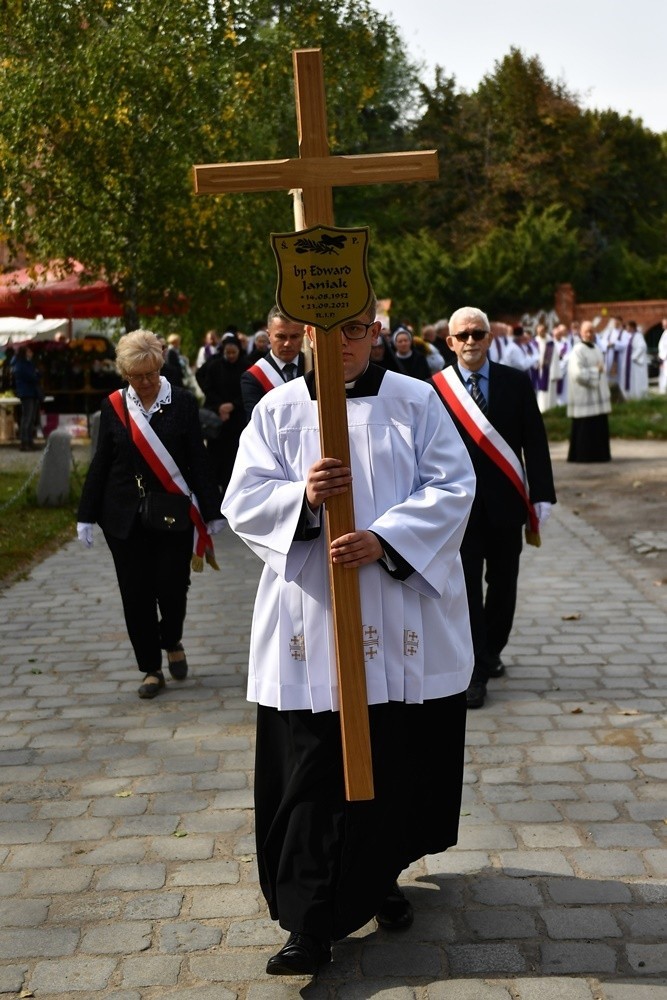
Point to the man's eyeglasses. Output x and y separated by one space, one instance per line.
143 376
475 334
355 331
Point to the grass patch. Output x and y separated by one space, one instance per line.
28 533
639 420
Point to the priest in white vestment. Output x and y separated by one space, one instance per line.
633 365
662 358
548 369
327 866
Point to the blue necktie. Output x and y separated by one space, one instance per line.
477 393
289 371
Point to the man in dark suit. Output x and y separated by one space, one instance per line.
284 361
496 413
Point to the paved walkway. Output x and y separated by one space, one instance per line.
126 850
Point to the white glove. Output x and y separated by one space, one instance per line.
84 533
213 527
543 511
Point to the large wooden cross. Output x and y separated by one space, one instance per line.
316 173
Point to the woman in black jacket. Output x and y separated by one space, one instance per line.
167 453
220 380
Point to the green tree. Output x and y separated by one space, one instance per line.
518 267
106 104
521 144
417 275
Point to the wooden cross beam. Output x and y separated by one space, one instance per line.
316 173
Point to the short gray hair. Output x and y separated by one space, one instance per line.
466 313
136 348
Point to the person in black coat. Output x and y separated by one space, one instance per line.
492 543
220 381
152 567
27 388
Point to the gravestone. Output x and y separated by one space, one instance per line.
54 479
94 432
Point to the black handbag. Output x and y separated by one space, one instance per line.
165 511
158 511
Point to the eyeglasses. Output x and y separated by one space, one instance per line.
475 334
355 331
143 376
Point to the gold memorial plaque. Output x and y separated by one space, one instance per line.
322 275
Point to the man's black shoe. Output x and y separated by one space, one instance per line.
476 694
498 669
301 955
396 912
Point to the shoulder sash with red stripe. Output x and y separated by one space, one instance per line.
164 468
266 375
463 407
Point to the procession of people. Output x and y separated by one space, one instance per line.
452 475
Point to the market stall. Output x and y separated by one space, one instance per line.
76 375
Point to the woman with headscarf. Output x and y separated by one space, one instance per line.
409 361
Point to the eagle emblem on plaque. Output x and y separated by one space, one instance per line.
322 275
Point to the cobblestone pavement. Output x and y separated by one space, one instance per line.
126 850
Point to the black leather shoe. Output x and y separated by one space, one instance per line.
476 694
302 955
153 684
178 666
396 913
498 669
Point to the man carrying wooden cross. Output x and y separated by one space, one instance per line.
327 865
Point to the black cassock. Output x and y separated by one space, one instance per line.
326 865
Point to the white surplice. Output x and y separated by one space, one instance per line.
413 485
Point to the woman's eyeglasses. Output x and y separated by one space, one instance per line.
143 376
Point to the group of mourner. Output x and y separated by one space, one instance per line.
450 469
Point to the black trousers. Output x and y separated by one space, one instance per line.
29 414
326 865
490 555
153 571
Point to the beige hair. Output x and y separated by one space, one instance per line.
137 348
466 313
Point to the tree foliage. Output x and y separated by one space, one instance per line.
105 105
536 191
417 274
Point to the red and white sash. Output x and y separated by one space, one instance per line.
167 472
452 390
266 375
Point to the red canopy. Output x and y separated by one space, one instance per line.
49 292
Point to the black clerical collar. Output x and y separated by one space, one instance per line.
367 384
